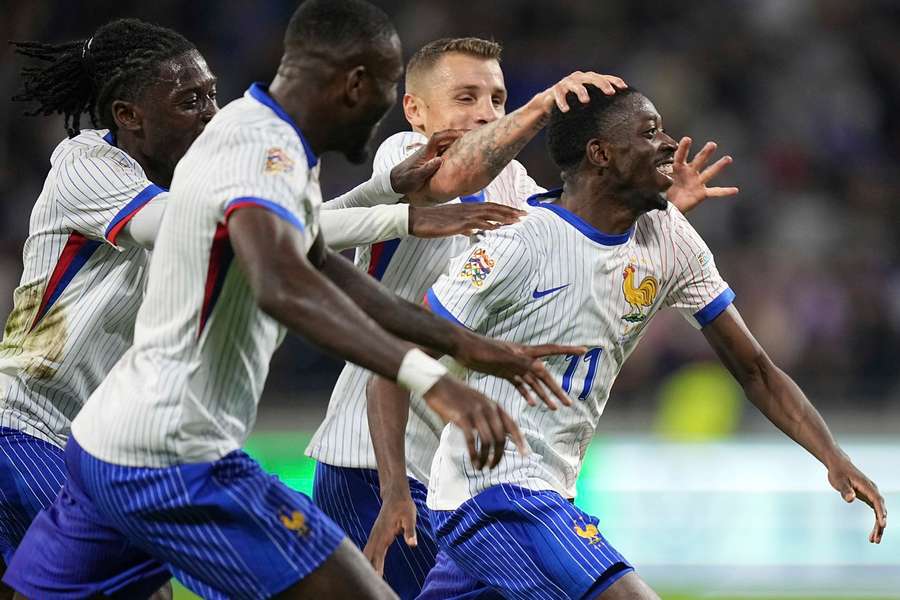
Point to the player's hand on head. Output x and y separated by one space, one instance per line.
575 83
483 422
852 484
690 178
464 218
397 516
412 175
520 365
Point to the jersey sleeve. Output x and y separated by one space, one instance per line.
99 194
488 280
700 294
396 149
262 173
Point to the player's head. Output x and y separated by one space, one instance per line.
131 77
350 49
618 138
454 83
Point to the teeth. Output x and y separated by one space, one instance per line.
665 169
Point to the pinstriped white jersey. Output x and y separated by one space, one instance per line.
187 391
408 267
74 309
553 278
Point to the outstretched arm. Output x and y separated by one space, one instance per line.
518 364
783 402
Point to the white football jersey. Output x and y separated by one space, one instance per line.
407 267
553 278
187 391
73 312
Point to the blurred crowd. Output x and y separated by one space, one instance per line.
801 93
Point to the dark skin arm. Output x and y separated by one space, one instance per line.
779 398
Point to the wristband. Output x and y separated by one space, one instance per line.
419 372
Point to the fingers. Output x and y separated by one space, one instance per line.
716 192
499 435
703 156
376 548
510 426
548 380
486 439
576 83
467 428
681 152
715 169
868 493
542 350
538 388
430 168
441 140
523 390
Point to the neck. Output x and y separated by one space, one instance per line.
592 199
300 95
156 171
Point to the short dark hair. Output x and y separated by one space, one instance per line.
568 132
84 77
428 55
338 24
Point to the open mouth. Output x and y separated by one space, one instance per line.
665 169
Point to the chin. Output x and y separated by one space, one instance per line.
659 202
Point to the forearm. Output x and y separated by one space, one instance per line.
411 322
373 192
782 401
311 306
351 227
387 405
476 159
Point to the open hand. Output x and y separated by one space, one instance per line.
412 174
474 413
520 365
575 83
396 516
464 218
852 483
690 178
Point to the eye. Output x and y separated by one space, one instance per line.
650 133
498 101
466 99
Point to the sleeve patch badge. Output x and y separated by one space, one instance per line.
477 267
277 161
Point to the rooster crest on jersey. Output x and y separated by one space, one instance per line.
277 161
587 531
478 266
295 522
638 296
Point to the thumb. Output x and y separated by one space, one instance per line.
847 492
409 532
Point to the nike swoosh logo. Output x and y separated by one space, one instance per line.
536 294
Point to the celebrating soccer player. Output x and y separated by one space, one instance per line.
591 265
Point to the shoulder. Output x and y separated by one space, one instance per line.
90 155
396 148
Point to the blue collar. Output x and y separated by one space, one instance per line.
577 222
260 93
110 138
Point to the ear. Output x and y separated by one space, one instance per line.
354 85
413 110
598 153
127 115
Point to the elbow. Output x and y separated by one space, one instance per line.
757 370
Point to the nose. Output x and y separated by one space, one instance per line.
487 112
209 110
667 142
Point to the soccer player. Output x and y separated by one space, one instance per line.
451 84
151 92
590 265
156 479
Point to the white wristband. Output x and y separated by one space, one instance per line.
418 372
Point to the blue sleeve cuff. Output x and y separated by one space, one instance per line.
129 210
274 207
708 313
439 309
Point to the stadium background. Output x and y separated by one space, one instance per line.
687 479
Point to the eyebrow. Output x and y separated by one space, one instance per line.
475 88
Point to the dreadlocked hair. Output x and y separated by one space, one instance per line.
84 77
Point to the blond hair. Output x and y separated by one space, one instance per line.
428 55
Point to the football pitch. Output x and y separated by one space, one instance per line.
757 522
